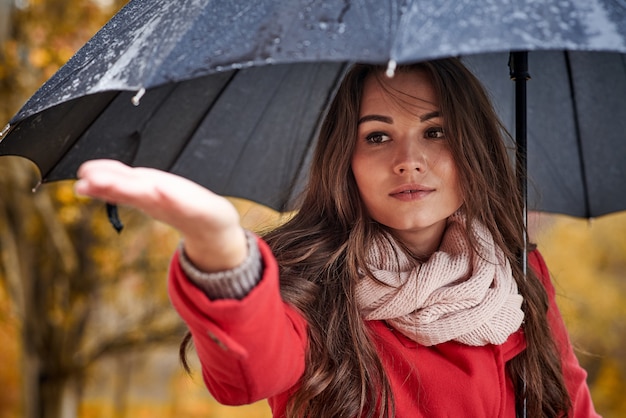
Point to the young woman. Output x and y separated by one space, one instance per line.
396 289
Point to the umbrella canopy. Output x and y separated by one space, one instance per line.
576 127
229 94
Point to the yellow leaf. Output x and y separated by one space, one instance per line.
39 57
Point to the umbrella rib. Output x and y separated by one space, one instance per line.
581 160
192 132
313 136
243 148
69 148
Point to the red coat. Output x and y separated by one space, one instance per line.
255 349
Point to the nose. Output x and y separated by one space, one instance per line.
409 157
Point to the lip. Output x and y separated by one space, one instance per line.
410 192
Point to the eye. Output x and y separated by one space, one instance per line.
377 138
435 133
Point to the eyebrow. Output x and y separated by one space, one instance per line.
378 118
388 119
430 115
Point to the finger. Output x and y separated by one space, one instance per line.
180 202
116 182
96 177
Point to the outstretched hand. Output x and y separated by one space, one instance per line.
209 223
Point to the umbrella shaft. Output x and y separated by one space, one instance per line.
518 66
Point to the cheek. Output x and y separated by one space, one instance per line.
364 183
455 185
451 176
358 167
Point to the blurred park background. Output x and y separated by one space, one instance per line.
86 329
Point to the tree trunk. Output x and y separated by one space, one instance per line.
51 393
124 366
30 384
60 397
6 7
70 398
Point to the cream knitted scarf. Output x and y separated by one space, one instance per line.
458 294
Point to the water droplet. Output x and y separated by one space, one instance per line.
137 97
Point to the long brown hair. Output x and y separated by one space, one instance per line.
321 248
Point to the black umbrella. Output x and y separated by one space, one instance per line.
229 94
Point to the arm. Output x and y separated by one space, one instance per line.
575 376
250 348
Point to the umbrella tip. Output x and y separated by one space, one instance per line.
391 68
36 187
5 131
137 97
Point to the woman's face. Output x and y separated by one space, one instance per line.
402 163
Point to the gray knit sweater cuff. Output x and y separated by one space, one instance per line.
235 283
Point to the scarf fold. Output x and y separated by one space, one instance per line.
457 295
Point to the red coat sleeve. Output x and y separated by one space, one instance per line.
249 349
575 375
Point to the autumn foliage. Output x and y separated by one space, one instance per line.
125 352
587 260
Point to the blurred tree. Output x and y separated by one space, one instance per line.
9 355
5 19
74 284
